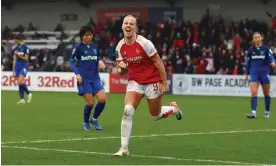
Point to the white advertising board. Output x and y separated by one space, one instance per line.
215 85
48 81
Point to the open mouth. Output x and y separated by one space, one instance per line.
128 30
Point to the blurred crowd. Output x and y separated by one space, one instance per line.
211 46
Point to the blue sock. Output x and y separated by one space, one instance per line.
267 103
98 110
25 88
254 102
86 113
21 92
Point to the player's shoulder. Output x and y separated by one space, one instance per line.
250 48
120 44
78 46
25 46
266 47
94 45
16 47
142 40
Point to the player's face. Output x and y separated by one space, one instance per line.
257 38
129 26
87 37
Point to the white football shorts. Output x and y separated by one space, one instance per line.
151 91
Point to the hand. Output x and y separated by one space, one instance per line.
123 65
79 79
101 65
246 79
165 87
16 53
273 65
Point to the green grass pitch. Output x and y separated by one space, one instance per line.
214 131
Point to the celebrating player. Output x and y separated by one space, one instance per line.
87 74
20 68
259 58
147 77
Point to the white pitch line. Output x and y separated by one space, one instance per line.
142 136
138 156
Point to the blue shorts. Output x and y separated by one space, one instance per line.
88 87
21 71
262 78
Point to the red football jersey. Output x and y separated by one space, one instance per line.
138 57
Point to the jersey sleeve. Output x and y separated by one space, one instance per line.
118 54
248 62
26 51
149 48
270 56
75 54
99 54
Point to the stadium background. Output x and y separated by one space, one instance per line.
203 44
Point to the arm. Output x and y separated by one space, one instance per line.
101 64
160 66
13 64
153 55
120 64
26 55
73 61
270 56
25 58
248 64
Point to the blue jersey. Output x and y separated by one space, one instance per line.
22 50
259 60
87 57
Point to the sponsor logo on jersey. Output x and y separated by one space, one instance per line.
136 59
258 57
88 58
21 53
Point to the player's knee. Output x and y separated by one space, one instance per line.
128 111
254 93
20 82
102 99
90 102
266 93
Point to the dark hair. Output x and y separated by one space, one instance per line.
84 29
253 43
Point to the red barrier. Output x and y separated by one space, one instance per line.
118 83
